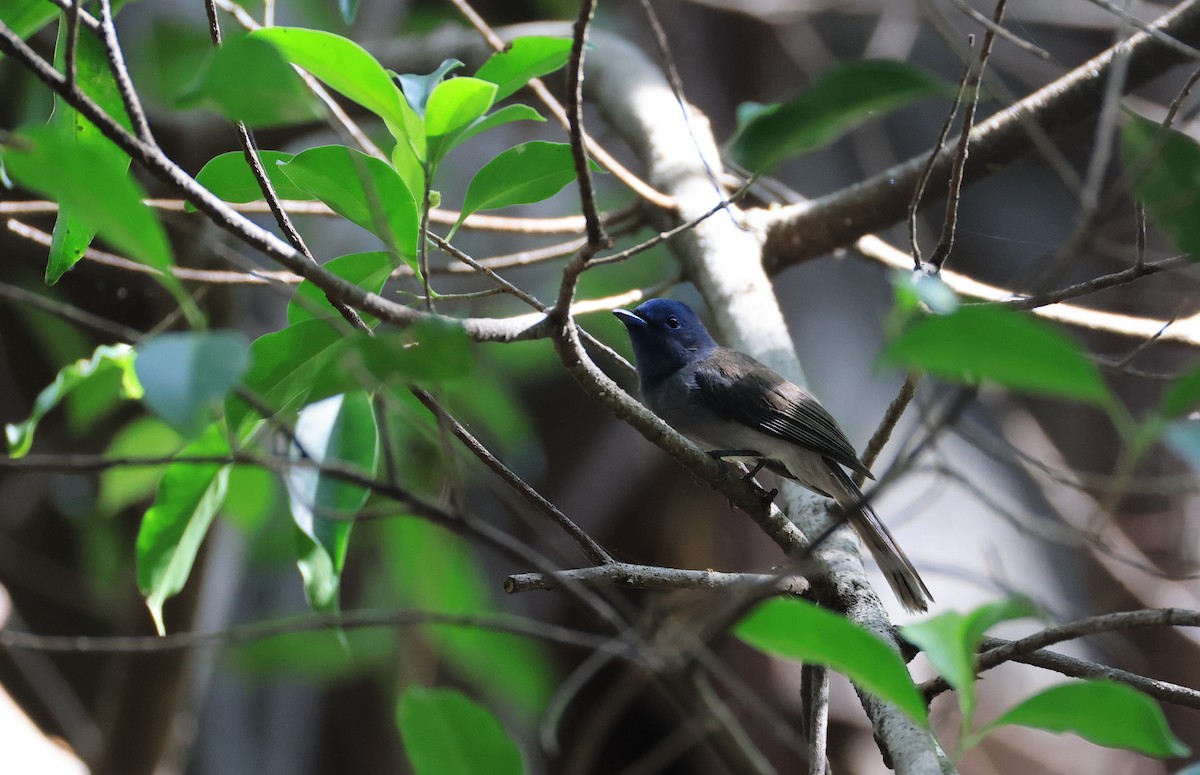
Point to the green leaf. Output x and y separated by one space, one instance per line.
430 350
505 115
1011 348
951 643
1164 168
314 359
525 173
249 80
361 189
95 188
800 630
417 88
434 570
340 429
1103 712
447 734
318 657
229 177
106 359
369 271
1183 396
188 498
344 66
284 366
523 60
25 17
72 235
849 95
187 374
456 103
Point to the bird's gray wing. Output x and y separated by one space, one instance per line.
740 388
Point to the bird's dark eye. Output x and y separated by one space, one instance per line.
672 322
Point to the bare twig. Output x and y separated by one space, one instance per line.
591 549
954 190
346 620
116 61
597 239
1094 625
628 576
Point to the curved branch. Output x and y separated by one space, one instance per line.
803 231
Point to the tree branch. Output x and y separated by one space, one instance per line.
804 231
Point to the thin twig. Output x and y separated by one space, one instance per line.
67 312
954 190
1001 31
888 424
597 239
116 61
1163 691
919 192
250 152
1094 625
70 65
346 620
591 549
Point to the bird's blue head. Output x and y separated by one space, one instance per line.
666 336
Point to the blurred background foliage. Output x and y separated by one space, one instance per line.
310 702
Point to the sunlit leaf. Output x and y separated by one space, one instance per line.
228 176
456 103
248 79
362 189
342 430
523 60
106 359
526 173
849 95
447 734
1164 167
951 643
1103 712
441 146
1011 348
341 64
189 496
800 630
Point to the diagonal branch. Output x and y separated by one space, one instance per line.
804 231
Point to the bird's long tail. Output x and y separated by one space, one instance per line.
901 576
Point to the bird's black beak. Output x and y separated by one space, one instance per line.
630 319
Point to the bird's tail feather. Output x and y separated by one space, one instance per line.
901 576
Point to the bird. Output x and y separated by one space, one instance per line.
735 407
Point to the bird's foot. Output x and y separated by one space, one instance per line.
722 454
